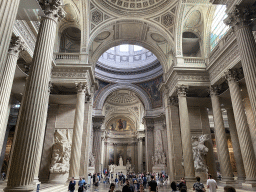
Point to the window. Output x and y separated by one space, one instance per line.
219 29
137 48
124 48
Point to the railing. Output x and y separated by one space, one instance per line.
194 60
66 56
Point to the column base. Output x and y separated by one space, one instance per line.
20 189
227 180
241 179
249 185
190 182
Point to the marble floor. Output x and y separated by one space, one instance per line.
105 187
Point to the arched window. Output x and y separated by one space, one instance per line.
219 29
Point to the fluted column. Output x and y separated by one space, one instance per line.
185 134
251 121
220 136
31 121
77 132
235 145
6 83
140 153
8 12
242 127
240 19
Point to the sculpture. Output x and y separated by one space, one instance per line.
121 163
60 153
199 150
91 160
128 166
158 158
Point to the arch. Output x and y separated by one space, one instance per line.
147 43
142 95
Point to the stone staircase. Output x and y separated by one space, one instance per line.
53 188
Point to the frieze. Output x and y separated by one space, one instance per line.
217 68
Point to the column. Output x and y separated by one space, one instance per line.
251 122
6 83
31 121
186 135
115 154
242 127
236 146
149 143
77 132
240 19
103 152
210 158
220 136
8 12
140 155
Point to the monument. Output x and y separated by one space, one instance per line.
159 162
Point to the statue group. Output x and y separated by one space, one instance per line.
159 158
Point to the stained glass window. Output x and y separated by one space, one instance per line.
219 29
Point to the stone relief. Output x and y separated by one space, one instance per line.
91 160
61 151
159 158
199 152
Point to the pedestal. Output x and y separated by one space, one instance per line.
91 170
58 178
159 168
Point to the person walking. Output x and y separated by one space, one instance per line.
72 184
229 189
211 184
174 187
112 187
152 184
198 187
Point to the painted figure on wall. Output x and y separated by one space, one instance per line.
120 125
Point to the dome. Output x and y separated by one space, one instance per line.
127 63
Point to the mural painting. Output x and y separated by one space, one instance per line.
151 87
120 124
111 156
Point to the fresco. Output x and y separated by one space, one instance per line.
151 87
120 124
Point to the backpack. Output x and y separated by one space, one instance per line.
199 187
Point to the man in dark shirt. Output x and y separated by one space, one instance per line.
152 184
127 187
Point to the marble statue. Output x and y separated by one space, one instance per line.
199 151
121 163
111 168
91 160
61 150
159 158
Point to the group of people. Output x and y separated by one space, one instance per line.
81 185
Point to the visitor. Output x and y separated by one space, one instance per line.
96 183
81 185
127 187
211 184
198 187
182 184
112 187
174 187
72 184
3 176
144 181
152 184
141 188
229 189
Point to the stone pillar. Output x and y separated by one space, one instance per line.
242 127
220 136
251 122
97 133
210 158
41 144
77 132
186 135
87 142
103 152
31 123
236 146
140 155
6 83
240 19
115 154
149 143
8 12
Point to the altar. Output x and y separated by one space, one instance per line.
118 169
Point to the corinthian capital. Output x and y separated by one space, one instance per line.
80 87
16 46
182 90
214 90
53 10
231 75
240 17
